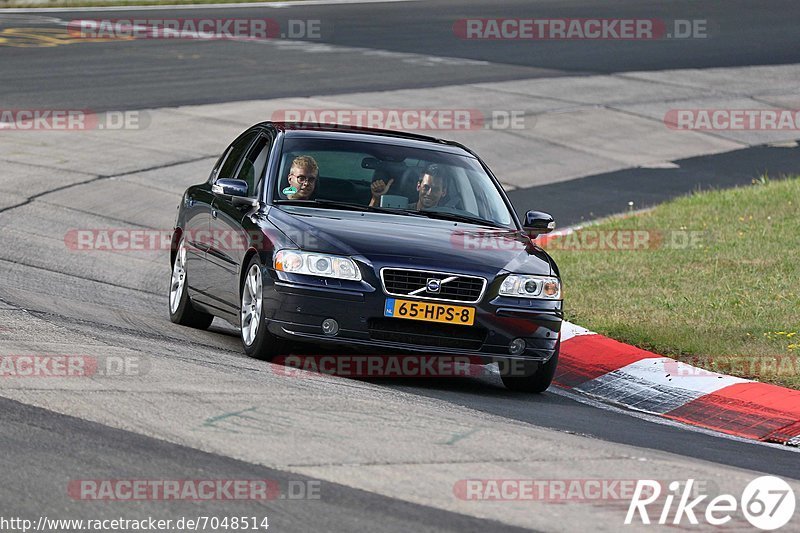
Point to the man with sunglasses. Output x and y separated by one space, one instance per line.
302 178
431 188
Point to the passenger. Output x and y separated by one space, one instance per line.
302 178
431 188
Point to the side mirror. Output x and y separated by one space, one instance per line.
230 187
537 223
236 189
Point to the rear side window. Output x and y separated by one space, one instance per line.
252 168
235 154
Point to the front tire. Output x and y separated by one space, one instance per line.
537 382
257 341
181 310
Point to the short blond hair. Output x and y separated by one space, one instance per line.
307 162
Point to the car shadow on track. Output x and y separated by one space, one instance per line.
486 386
472 379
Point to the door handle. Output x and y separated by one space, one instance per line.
213 213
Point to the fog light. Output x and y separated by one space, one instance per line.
330 326
517 346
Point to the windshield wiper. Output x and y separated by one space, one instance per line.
324 203
333 204
460 218
347 205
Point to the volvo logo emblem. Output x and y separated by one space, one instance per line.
433 285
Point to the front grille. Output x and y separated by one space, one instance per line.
426 333
401 282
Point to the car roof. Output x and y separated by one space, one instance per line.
357 133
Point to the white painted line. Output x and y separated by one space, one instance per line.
783 144
274 5
660 164
406 57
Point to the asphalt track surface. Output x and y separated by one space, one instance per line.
157 73
77 445
44 449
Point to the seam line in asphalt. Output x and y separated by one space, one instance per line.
53 317
98 177
106 217
661 121
37 267
46 167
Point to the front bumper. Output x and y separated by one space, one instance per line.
295 309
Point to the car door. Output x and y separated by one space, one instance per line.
229 236
196 231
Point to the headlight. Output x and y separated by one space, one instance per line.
539 287
314 264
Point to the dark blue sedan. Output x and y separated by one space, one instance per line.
375 241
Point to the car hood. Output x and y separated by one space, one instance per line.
388 239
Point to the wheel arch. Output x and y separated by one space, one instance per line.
173 249
264 258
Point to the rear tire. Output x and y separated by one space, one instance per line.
537 382
181 310
257 341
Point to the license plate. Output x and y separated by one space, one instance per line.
429 312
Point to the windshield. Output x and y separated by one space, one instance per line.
388 178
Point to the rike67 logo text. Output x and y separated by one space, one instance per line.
767 503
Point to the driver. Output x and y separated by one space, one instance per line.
431 188
302 178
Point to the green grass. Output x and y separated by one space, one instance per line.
730 303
